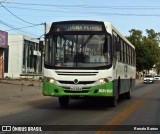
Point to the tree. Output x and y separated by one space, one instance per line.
147 48
136 39
151 34
152 42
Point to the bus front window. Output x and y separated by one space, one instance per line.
79 51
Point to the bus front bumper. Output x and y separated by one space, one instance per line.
57 91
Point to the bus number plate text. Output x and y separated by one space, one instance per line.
75 89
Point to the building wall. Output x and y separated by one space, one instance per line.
17 61
15 43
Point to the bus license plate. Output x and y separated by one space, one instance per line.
75 88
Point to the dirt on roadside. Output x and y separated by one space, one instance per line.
16 96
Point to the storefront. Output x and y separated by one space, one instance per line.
3 47
24 57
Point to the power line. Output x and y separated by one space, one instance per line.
2 22
88 12
15 15
25 27
49 10
14 28
87 6
8 25
85 9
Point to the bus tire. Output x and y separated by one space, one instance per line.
114 101
128 94
64 101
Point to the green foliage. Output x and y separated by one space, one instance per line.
147 48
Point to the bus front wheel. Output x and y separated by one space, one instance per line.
114 101
64 101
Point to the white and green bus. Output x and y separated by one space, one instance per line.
87 59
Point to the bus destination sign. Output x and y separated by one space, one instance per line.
78 27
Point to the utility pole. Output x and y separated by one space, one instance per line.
43 47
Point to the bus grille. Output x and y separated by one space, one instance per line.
76 73
80 82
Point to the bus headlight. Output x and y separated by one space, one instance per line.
50 80
104 80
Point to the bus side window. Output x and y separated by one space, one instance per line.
114 44
118 45
118 49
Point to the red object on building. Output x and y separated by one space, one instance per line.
3 45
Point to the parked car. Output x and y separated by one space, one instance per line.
157 77
148 79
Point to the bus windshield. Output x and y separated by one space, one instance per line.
78 51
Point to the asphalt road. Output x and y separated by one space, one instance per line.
87 116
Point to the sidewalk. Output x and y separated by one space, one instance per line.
29 82
18 95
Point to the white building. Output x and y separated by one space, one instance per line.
24 57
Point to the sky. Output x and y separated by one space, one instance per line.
28 16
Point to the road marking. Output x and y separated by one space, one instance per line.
121 117
124 114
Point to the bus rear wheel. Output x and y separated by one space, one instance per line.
64 101
128 95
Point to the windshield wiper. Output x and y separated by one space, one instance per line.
87 40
